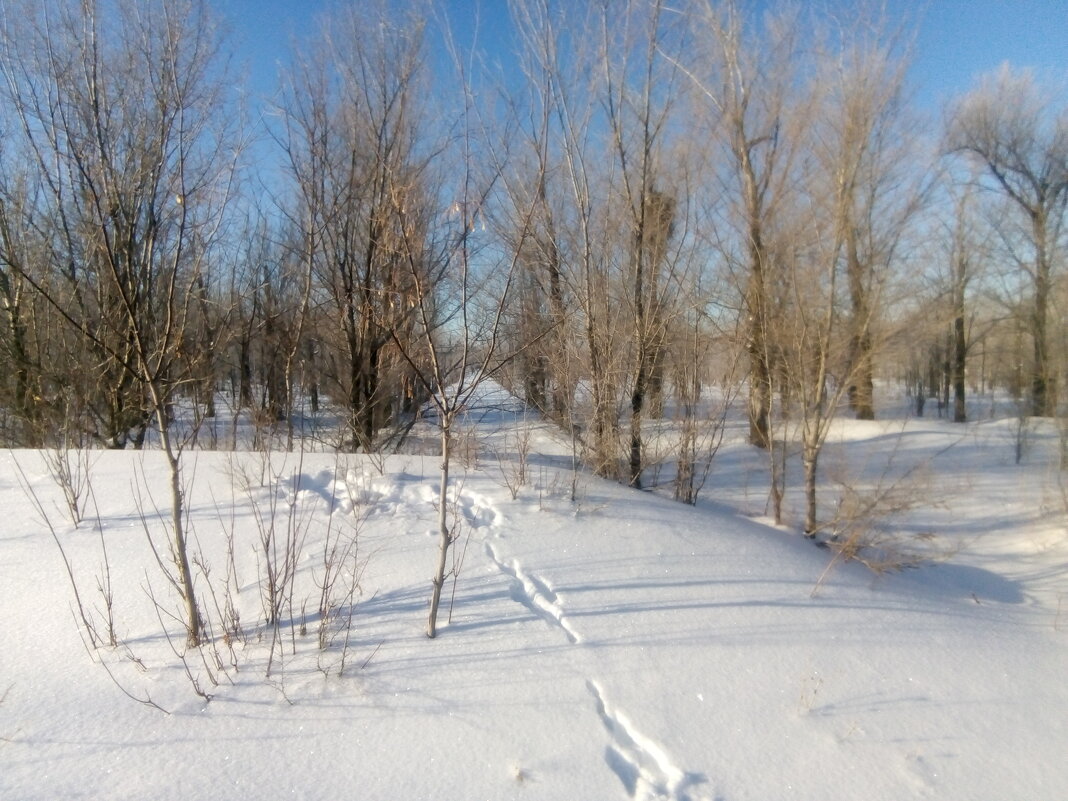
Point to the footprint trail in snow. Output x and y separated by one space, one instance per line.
533 593
646 770
642 765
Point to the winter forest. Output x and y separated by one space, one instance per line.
653 208
671 239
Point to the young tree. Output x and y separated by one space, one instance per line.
451 330
458 310
702 369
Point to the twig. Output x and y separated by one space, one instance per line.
147 700
27 488
367 661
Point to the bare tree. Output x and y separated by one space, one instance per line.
19 246
451 332
452 362
748 80
571 221
965 250
352 117
962 271
868 85
861 202
545 372
703 366
638 111
1016 131
119 105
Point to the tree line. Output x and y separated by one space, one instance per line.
655 209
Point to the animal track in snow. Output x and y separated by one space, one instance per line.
642 765
404 493
535 595
476 510
647 772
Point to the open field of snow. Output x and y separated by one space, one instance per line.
618 645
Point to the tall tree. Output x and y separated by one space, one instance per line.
748 80
352 117
639 90
965 250
862 194
1018 132
570 220
20 245
864 76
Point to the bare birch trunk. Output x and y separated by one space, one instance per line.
444 534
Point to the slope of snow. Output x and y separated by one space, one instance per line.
616 646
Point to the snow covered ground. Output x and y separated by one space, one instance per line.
618 645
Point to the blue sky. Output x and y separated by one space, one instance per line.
957 39
960 39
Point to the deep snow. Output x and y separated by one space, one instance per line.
616 646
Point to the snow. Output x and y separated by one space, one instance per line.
617 646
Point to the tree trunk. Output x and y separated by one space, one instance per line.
534 381
370 400
641 341
862 388
862 385
960 355
444 535
561 389
244 369
637 401
759 396
947 374
810 461
180 548
1043 391
757 337
604 412
25 402
313 377
777 454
